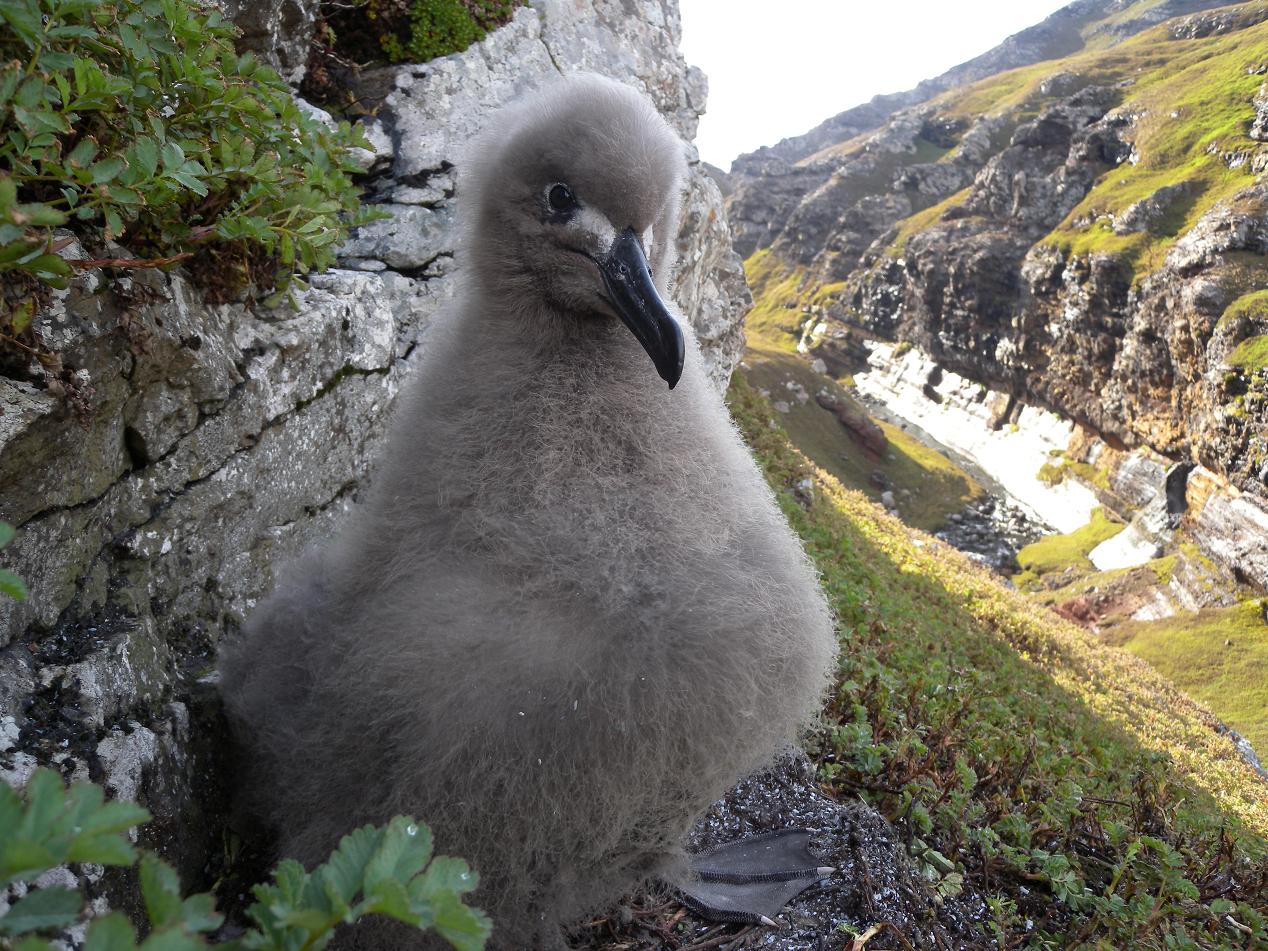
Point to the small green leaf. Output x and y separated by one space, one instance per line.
173 156
111 932
146 151
106 170
54 907
6 533
43 216
49 266
467 929
198 912
344 871
190 182
161 890
19 320
403 852
83 153
133 44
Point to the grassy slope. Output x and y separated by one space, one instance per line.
1064 778
1190 650
1193 101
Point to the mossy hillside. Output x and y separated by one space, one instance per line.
888 163
1062 468
1093 802
913 224
782 293
1251 354
1252 306
1192 98
1219 656
1057 553
928 486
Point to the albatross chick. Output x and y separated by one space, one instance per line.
569 616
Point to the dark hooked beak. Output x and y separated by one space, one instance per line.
632 292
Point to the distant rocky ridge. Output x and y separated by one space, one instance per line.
798 171
1087 234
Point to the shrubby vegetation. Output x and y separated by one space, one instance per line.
1093 804
136 122
386 871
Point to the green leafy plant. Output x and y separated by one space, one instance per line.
10 584
137 122
387 871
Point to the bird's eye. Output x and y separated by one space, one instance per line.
561 199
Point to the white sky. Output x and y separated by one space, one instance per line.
780 67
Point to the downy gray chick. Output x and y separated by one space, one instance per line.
570 614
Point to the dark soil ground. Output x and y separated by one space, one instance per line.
877 899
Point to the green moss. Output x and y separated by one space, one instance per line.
1251 354
782 296
1253 306
924 219
1054 473
426 29
1193 650
775 318
1007 739
1051 473
1059 552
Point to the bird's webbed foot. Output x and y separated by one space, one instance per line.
749 881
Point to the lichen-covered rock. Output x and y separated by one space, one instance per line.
1234 530
225 438
279 30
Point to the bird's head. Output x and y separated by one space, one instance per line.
572 203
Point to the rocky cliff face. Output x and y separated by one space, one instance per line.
1087 235
223 438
